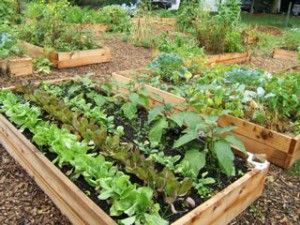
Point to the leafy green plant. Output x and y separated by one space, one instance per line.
216 146
9 12
291 40
170 67
8 46
42 65
142 34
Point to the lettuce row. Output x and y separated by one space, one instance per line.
125 197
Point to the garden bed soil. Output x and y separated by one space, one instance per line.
234 199
69 59
280 149
16 66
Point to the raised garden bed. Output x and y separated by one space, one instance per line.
229 58
280 149
69 59
226 58
96 28
18 66
279 53
168 21
219 209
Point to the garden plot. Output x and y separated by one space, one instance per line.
69 59
278 138
18 66
83 139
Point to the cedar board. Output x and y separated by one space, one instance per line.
280 149
218 210
69 59
279 53
167 21
226 58
17 67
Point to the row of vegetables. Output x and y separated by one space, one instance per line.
150 165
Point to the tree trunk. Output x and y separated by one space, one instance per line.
288 14
252 7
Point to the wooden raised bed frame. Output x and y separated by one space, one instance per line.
279 53
226 58
69 59
218 210
161 20
280 149
16 67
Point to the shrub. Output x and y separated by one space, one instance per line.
291 40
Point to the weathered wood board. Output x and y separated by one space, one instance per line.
218 210
17 67
226 58
280 149
229 58
69 59
161 20
279 53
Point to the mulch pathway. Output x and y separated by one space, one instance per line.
22 202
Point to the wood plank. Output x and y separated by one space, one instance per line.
81 58
69 59
225 205
66 195
17 67
258 133
285 54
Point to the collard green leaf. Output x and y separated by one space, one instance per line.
184 139
156 131
225 157
153 113
236 142
195 160
178 118
129 110
134 98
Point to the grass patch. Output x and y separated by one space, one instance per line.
295 170
270 20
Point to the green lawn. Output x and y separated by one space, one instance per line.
270 20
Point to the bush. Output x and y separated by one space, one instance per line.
55 34
291 40
221 33
9 11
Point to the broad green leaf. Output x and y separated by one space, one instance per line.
222 130
134 98
128 221
178 118
155 220
129 110
153 113
236 142
157 130
184 139
196 160
185 186
192 119
224 156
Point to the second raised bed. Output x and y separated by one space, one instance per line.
280 149
69 59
